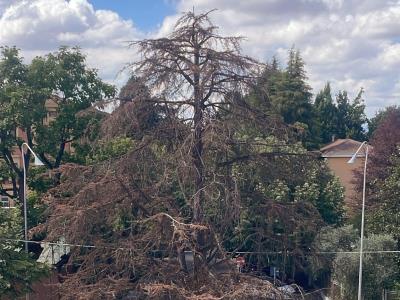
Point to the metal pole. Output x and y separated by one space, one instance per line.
25 206
37 162
362 226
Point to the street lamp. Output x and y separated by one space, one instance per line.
37 162
351 161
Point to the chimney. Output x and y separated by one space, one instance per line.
333 138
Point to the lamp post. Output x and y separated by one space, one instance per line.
351 161
37 162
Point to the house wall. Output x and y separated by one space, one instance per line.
345 173
51 107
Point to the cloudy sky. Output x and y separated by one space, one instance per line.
351 43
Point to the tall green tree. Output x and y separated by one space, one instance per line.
75 87
351 116
341 118
17 270
62 76
292 95
22 106
326 113
285 93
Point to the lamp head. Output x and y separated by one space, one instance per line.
38 162
352 160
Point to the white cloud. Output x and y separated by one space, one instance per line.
41 26
350 43
390 57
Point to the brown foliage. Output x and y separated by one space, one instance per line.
126 213
385 144
141 211
196 71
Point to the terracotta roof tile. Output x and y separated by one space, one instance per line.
342 148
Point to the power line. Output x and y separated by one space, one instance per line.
317 252
236 252
63 244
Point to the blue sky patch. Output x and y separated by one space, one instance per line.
146 15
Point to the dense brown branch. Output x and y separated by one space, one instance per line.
267 155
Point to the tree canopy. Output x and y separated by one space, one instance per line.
207 156
61 77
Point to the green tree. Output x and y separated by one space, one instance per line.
385 218
22 105
266 88
330 239
351 116
110 149
281 211
286 93
292 96
17 270
326 113
75 88
343 119
24 89
379 269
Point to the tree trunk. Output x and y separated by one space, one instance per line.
60 154
197 153
197 148
21 191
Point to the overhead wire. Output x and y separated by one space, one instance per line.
236 252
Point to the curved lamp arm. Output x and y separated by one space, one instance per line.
37 162
351 161
354 157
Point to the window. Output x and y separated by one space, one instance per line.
52 114
5 203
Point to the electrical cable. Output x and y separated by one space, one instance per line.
236 252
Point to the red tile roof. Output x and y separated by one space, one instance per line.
342 148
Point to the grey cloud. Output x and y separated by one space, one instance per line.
275 9
350 43
5 3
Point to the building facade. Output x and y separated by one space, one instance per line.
337 155
51 107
